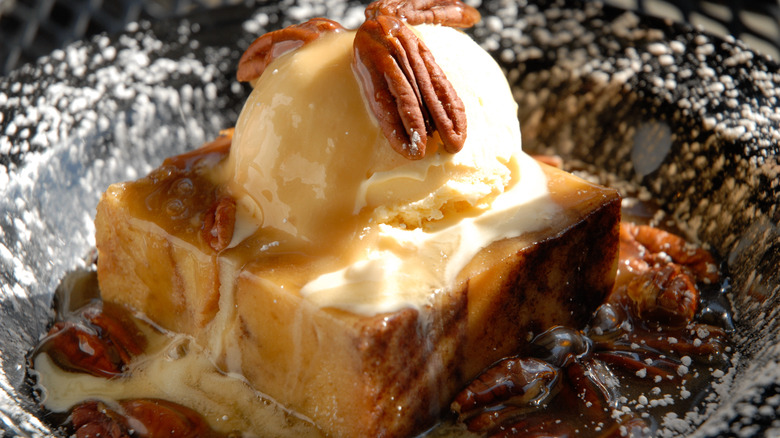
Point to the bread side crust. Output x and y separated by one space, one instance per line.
172 281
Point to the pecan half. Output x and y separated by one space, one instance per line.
274 44
163 418
682 252
516 381
664 293
658 274
101 341
94 419
453 13
150 418
219 223
219 147
406 89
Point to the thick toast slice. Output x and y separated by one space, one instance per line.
384 375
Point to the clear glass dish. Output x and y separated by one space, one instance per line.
680 117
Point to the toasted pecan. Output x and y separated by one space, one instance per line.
219 223
149 418
101 341
271 45
453 13
406 89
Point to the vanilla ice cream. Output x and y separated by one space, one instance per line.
310 166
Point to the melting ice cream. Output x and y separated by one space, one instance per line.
310 164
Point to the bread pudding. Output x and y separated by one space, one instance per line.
357 374
370 237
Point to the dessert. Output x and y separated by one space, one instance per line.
371 237
646 356
357 276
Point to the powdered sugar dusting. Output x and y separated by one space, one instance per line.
91 114
594 85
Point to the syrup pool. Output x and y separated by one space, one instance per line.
620 375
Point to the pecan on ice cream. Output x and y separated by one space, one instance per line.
274 44
453 13
407 91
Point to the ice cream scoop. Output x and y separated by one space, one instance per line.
309 165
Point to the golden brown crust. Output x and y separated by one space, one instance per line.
150 245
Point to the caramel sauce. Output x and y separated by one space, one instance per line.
177 194
622 374
646 359
170 388
626 371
